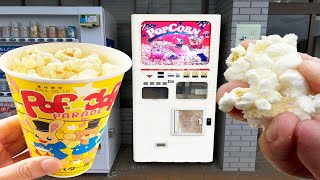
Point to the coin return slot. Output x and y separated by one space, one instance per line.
161 145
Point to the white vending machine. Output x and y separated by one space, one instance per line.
175 62
20 26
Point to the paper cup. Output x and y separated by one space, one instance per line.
65 118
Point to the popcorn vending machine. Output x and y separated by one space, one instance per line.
175 61
20 26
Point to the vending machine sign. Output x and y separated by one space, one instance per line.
175 42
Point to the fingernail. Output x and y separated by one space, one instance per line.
51 165
271 132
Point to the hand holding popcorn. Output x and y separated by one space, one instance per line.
290 144
270 67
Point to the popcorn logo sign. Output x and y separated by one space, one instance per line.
174 27
98 100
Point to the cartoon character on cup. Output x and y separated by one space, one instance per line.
47 142
87 140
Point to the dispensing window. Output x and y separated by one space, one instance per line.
155 93
192 90
187 122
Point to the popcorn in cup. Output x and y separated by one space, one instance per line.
63 93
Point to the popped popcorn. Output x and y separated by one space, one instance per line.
275 85
69 63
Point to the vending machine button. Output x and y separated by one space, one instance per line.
164 83
160 72
145 83
158 83
177 75
151 83
204 74
170 81
208 121
160 76
195 74
186 74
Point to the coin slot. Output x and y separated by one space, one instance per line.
161 145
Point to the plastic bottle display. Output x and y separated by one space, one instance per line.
43 31
6 31
71 31
52 32
62 32
15 29
24 31
34 30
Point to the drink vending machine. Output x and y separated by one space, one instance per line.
20 26
175 61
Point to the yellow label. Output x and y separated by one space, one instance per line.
64 120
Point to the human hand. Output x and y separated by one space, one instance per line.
293 146
21 167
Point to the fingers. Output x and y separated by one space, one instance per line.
31 168
246 43
5 158
308 57
235 113
10 129
308 145
17 147
278 145
310 71
21 157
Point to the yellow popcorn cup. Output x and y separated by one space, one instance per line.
65 118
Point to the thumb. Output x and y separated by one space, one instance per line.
308 145
310 71
31 168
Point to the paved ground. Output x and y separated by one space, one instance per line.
125 169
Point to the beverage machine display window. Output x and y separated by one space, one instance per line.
175 59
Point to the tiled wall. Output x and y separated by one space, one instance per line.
240 140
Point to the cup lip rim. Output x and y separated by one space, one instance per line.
65 81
